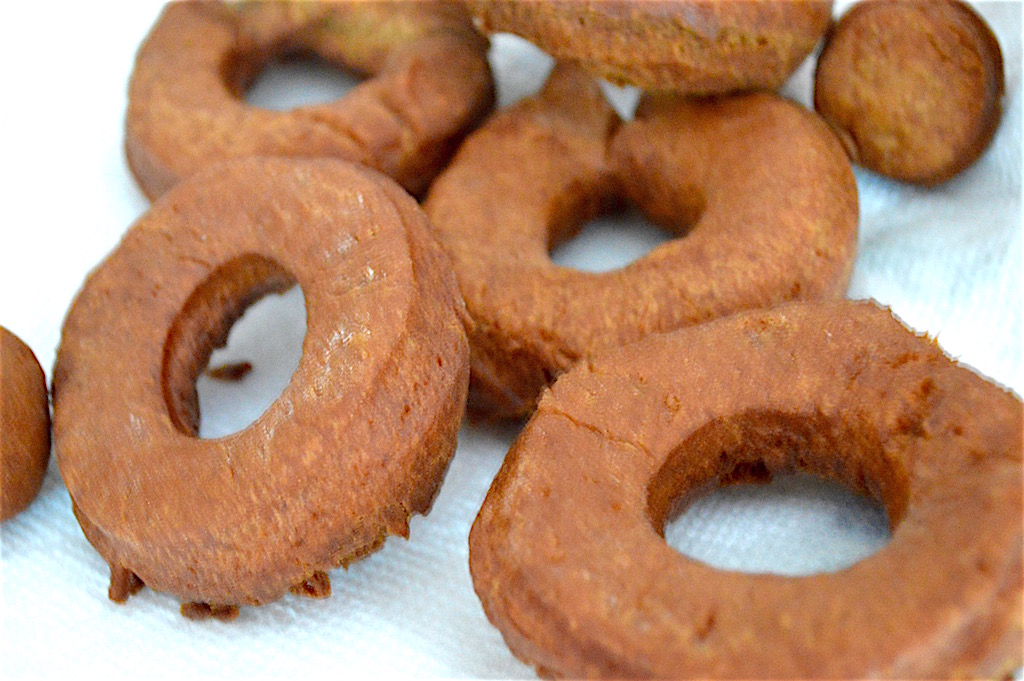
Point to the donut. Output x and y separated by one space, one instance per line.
357 442
761 189
429 83
568 554
697 47
914 87
24 425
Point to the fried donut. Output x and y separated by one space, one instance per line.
914 87
760 187
358 441
697 47
568 554
24 425
429 84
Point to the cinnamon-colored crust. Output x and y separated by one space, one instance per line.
761 189
358 441
428 84
913 86
567 554
698 47
24 425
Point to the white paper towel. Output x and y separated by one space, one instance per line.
947 259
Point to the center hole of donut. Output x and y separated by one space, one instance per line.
794 525
233 348
297 81
778 493
243 378
609 242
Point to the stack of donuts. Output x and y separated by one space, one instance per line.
419 222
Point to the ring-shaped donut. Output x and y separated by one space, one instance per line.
358 440
567 553
759 189
24 425
695 47
429 83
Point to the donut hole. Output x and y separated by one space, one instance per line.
297 80
268 337
794 525
246 376
610 241
287 78
769 492
595 228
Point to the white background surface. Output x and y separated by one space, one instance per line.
948 261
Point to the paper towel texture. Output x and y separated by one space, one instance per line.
946 259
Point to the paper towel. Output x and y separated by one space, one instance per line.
947 259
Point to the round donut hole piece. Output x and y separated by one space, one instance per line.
794 524
427 83
913 87
24 425
358 441
567 553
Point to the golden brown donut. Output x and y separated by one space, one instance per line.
693 46
429 83
357 442
24 425
759 186
568 554
914 87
